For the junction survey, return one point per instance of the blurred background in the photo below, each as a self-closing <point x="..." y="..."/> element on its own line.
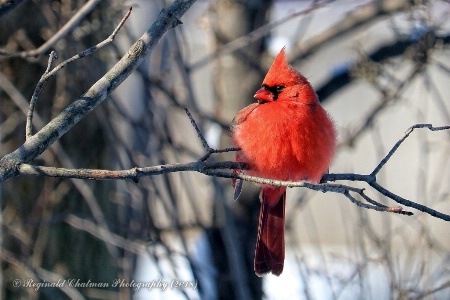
<point x="378" y="68"/>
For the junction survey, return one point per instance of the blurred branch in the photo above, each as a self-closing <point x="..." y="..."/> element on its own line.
<point x="106" y="235"/>
<point x="254" y="35"/>
<point x="58" y="151"/>
<point x="45" y="275"/>
<point x="387" y="98"/>
<point x="159" y="84"/>
<point x="7" y="5"/>
<point x="357" y="19"/>
<point x="414" y="50"/>
<point x="68" y="27"/>
<point x="382" y="53"/>
<point x="363" y="16"/>
<point x="38" y="143"/>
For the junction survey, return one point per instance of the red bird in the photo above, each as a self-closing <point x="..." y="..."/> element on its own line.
<point x="286" y="135"/>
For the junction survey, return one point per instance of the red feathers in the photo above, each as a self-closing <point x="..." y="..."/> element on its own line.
<point x="287" y="135"/>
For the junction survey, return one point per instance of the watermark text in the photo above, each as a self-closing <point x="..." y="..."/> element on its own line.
<point x="160" y="284"/>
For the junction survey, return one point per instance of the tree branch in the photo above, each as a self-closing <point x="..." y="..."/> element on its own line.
<point x="397" y="145"/>
<point x="48" y="74"/>
<point x="217" y="169"/>
<point x="133" y="174"/>
<point x="38" y="143"/>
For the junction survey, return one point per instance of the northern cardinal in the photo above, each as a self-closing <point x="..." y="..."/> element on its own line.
<point x="286" y="135"/>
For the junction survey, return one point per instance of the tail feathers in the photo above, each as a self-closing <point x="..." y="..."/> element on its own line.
<point x="270" y="250"/>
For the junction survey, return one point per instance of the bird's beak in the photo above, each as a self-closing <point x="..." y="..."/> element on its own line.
<point x="264" y="95"/>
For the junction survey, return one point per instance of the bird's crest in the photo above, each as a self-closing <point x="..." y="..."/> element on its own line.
<point x="282" y="73"/>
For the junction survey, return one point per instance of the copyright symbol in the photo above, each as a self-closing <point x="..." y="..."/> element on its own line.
<point x="17" y="283"/>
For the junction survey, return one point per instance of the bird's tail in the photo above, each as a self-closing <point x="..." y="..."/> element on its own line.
<point x="269" y="254"/>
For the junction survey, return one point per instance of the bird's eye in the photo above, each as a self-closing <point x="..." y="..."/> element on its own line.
<point x="279" y="88"/>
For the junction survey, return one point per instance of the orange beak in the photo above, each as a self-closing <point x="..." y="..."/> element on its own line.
<point x="264" y="95"/>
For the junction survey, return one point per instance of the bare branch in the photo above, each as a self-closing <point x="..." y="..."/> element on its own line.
<point x="48" y="74"/>
<point x="216" y="169"/>
<point x="205" y="145"/>
<point x="407" y="133"/>
<point x="211" y="169"/>
<point x="131" y="174"/>
<point x="36" y="93"/>
<point x="68" y="27"/>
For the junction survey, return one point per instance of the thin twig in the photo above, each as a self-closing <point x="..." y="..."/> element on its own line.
<point x="388" y="97"/>
<point x="208" y="149"/>
<point x="36" y="93"/>
<point x="48" y="74"/>
<point x="197" y="129"/>
<point x="409" y="203"/>
<point x="407" y="133"/>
